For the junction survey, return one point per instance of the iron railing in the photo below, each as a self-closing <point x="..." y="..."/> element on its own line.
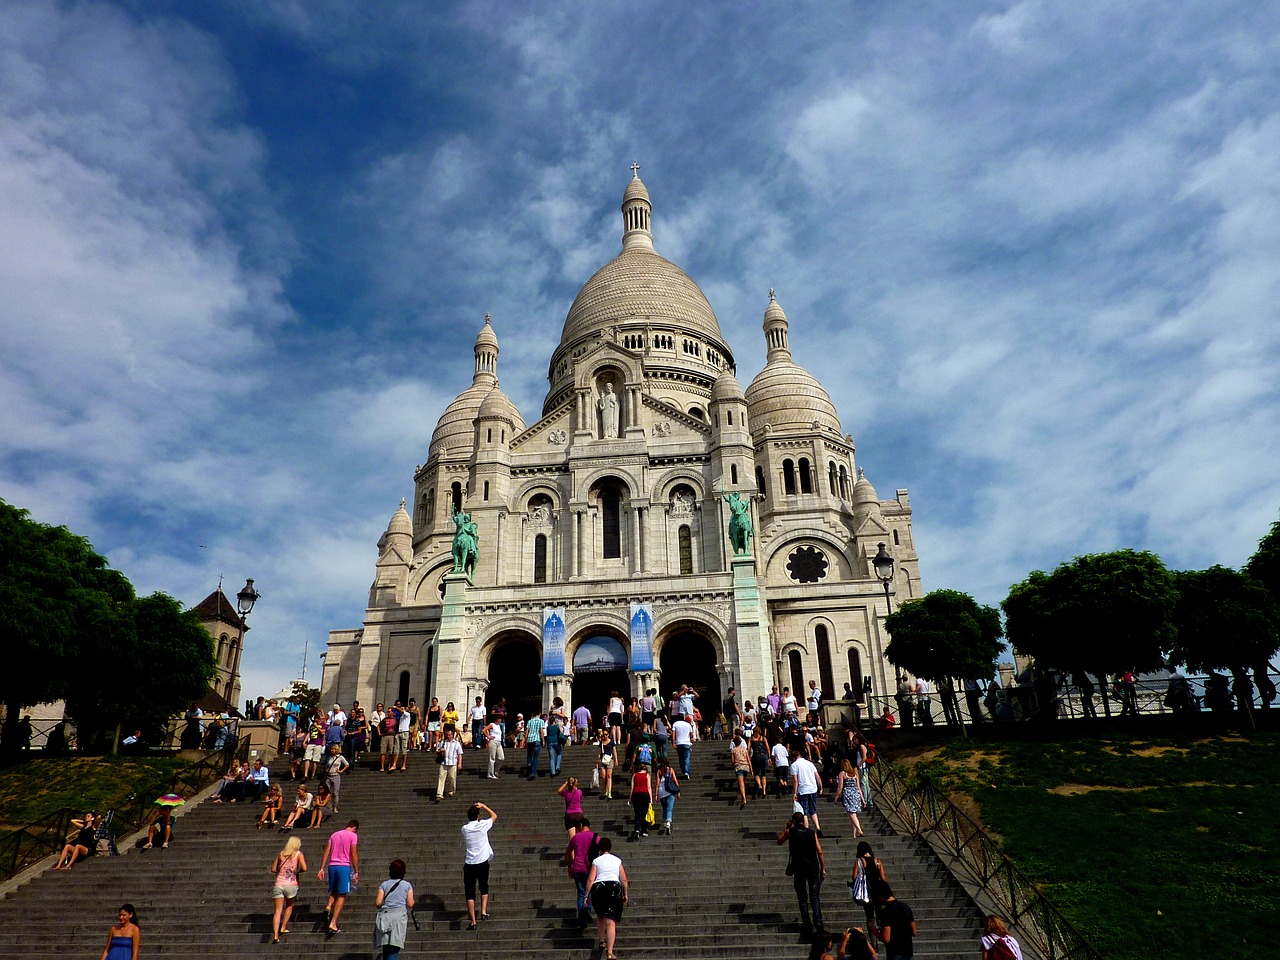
<point x="33" y="842"/>
<point x="925" y="812"/>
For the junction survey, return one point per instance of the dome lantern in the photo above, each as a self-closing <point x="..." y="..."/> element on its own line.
<point x="637" y="212"/>
<point x="776" y="331"/>
<point x="486" y="351"/>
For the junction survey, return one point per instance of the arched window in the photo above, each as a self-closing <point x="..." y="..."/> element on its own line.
<point x="733" y="474"/>
<point x="486" y="489"/>
<point x="833" y="480"/>
<point x="540" y="558"/>
<point x="855" y="669"/>
<point x="729" y="415"/>
<point x="826" y="677"/>
<point x="895" y="539"/>
<point x="760" y="480"/>
<point x="844" y="483"/>
<point x="404" y="687"/>
<point x="788" y="477"/>
<point x="697" y="412"/>
<point x="222" y="647"/>
<point x="806" y="476"/>
<point x="488" y="435"/>
<point x="455" y="495"/>
<point x="611" y="522"/>
<point x="797" y="674"/>
<point x="686" y="550"/>
<point x="431" y="505"/>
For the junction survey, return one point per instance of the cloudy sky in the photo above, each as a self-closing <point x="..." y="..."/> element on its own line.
<point x="1031" y="248"/>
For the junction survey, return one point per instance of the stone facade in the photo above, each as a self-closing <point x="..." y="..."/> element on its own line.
<point x="615" y="498"/>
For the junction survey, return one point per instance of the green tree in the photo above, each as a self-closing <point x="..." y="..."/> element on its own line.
<point x="1264" y="565"/>
<point x="945" y="633"/>
<point x="55" y="593"/>
<point x="1226" y="621"/>
<point x="1097" y="613"/>
<point x="159" y="659"/>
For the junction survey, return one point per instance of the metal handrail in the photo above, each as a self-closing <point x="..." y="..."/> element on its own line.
<point x="924" y="811"/>
<point x="34" y="841"/>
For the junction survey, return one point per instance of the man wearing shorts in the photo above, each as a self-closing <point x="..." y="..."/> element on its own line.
<point x="782" y="764"/>
<point x="389" y="736"/>
<point x="402" y="740"/>
<point x="582" y="723"/>
<point x="806" y="787"/>
<point x="475" y="866"/>
<point x="342" y="860"/>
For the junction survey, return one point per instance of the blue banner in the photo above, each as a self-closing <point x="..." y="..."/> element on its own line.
<point x="553" y="641"/>
<point x="642" y="636"/>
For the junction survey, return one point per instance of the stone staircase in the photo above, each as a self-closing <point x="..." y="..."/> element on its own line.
<point x="715" y="888"/>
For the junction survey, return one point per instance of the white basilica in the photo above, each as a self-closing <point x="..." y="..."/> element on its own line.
<point x="604" y="554"/>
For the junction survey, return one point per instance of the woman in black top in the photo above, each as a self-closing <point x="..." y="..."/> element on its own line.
<point x="83" y="845"/>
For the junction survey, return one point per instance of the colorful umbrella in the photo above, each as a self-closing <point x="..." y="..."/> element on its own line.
<point x="170" y="800"/>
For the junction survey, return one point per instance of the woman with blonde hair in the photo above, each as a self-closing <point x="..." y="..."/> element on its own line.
<point x="288" y="866"/>
<point x="997" y="944"/>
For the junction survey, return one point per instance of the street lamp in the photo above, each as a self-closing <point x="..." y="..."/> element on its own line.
<point x="883" y="564"/>
<point x="247" y="597"/>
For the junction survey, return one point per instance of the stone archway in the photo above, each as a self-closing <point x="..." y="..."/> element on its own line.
<point x="515" y="670"/>
<point x="688" y="657"/>
<point x="600" y="665"/>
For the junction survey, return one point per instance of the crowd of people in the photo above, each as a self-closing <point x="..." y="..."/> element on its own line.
<point x="643" y="751"/>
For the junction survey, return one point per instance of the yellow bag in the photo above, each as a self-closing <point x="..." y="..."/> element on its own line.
<point x="649" y="818"/>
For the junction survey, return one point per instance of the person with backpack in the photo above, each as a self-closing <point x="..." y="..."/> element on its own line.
<point x="897" y="927"/>
<point x="997" y="944"/>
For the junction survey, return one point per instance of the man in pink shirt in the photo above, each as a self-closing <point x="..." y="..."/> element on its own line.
<point x="343" y="862"/>
<point x="577" y="856"/>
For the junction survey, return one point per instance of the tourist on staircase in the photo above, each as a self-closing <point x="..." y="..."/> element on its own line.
<point x="641" y="798"/>
<point x="668" y="790"/>
<point x="496" y="753"/>
<point x="340" y="866"/>
<point x="807" y="869"/>
<point x="577" y="858"/>
<point x="572" y="795"/>
<point x="607" y="882"/>
<point x="849" y="793"/>
<point x="449" y="756"/>
<point x="606" y="760"/>
<point x="475" y="866"/>
<point x="393" y="902"/>
<point x="533" y="731"/>
<point x="287" y="867"/>
<point x="124" y="937"/>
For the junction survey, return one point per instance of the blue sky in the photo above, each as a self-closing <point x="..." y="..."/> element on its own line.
<point x="1032" y="249"/>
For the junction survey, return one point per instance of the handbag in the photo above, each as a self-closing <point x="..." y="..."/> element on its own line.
<point x="858" y="890"/>
<point x="595" y="778"/>
<point x="669" y="784"/>
<point x="649" y="818"/>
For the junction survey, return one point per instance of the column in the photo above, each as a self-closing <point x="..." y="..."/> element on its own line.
<point x="635" y="539"/>
<point x="577" y="543"/>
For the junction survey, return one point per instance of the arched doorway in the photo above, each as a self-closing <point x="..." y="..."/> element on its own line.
<point x="599" y="668"/>
<point x="515" y="671"/>
<point x="689" y="657"/>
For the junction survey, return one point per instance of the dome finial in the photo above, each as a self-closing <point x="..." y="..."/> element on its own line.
<point x="486" y="351"/>
<point x="775" y="331"/>
<point x="636" y="213"/>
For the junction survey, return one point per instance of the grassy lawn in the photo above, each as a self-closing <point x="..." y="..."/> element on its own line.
<point x="1154" y="848"/>
<point x="40" y="786"/>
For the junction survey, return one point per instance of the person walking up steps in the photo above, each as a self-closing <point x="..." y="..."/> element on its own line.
<point x="340" y="865"/>
<point x="479" y="852"/>
<point x="807" y="869"/>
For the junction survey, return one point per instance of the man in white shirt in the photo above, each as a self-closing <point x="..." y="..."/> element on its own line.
<point x="682" y="732"/>
<point x="451" y="747"/>
<point x="478" y="716"/>
<point x="782" y="764"/>
<point x="815" y="701"/>
<point x="338" y="715"/>
<point x="475" y="865"/>
<point x="403" y="724"/>
<point x="807" y="786"/>
<point x="924" y="701"/>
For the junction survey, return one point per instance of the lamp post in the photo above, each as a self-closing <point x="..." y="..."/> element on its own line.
<point x="883" y="564"/>
<point x="245" y="600"/>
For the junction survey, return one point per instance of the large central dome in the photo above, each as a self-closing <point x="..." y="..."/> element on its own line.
<point x="644" y="303"/>
<point x="639" y="285"/>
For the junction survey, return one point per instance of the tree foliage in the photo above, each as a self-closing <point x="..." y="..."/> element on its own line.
<point x="945" y="633"/>
<point x="1098" y="613"/>
<point x="55" y="592"/>
<point x="1264" y="565"/>
<point x="1226" y="620"/>
<point x="75" y="630"/>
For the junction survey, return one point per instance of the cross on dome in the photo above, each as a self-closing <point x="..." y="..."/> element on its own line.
<point x="635" y="170"/>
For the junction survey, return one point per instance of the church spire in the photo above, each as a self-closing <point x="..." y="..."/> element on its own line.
<point x="636" y="213"/>
<point x="486" y="354"/>
<point x="775" y="331"/>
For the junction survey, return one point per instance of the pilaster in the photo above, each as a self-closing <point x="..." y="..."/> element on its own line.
<point x="755" y="655"/>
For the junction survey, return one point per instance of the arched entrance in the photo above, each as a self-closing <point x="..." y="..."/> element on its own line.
<point x="689" y="657"/>
<point x="515" y="669"/>
<point x="599" y="668"/>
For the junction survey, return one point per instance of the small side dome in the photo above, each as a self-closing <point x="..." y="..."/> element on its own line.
<point x="785" y="396"/>
<point x="863" y="492"/>
<point x="727" y="387"/>
<point x="400" y="522"/>
<point x="498" y="406"/>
